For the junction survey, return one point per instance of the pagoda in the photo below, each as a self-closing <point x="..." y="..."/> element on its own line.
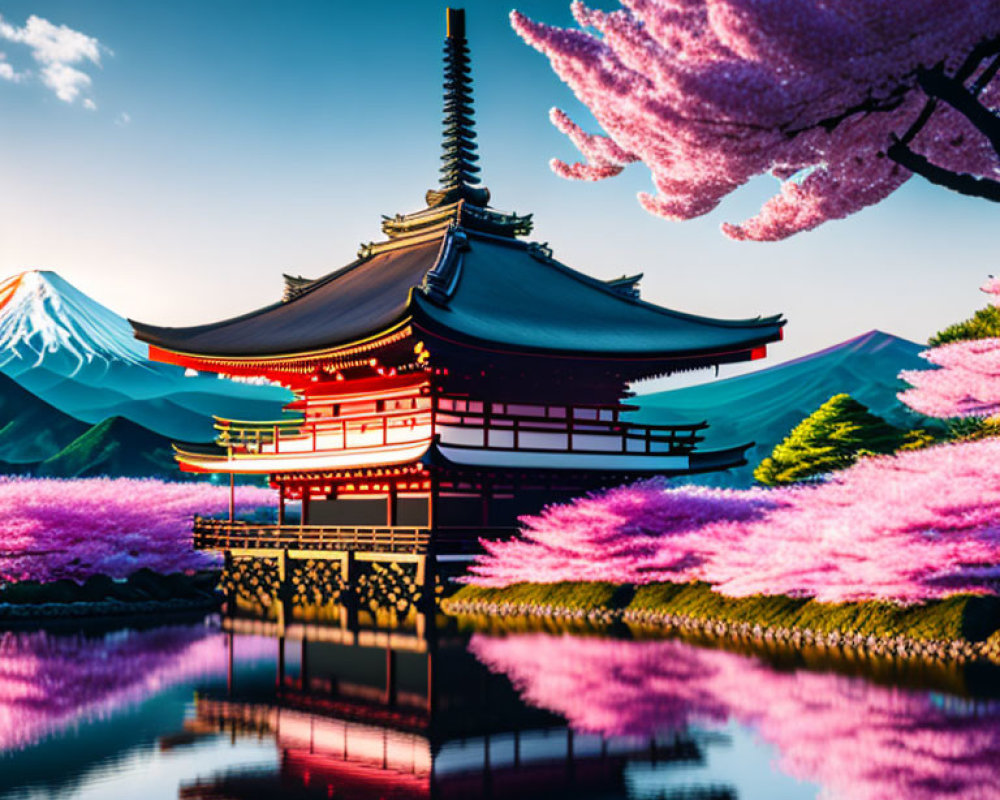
<point x="451" y="378"/>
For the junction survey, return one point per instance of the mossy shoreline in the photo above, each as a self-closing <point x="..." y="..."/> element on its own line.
<point x="959" y="627"/>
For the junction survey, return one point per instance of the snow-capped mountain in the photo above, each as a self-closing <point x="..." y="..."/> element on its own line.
<point x="44" y="319"/>
<point x="81" y="357"/>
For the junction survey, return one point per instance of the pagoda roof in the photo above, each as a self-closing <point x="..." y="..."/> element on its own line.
<point x="474" y="287"/>
<point x="366" y="296"/>
<point x="515" y="294"/>
<point x="458" y="270"/>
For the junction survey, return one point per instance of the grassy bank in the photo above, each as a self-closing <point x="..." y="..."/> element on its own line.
<point x="949" y="624"/>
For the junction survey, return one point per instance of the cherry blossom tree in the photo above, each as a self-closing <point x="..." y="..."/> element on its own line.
<point x="907" y="527"/>
<point x="842" y="102"/>
<point x="967" y="382"/>
<point x="73" y="529"/>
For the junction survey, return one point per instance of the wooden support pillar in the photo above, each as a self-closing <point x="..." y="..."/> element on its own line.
<point x="279" y="678"/>
<point x="425" y="582"/>
<point x="392" y="506"/>
<point x="281" y="504"/>
<point x="430" y="682"/>
<point x="232" y="496"/>
<point x="305" y="507"/>
<point x="432" y="501"/>
<point x="390" y="676"/>
<point x="284" y="598"/>
<point x="304" y="665"/>
<point x="487" y="768"/>
<point x="230" y="596"/>
<point x="349" y="600"/>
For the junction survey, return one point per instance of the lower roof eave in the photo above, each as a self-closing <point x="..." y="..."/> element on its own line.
<point x="272" y="463"/>
<point x="625" y="464"/>
<point x="717" y="460"/>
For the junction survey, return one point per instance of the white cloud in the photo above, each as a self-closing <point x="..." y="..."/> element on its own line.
<point x="123" y="119"/>
<point x="64" y="80"/>
<point x="56" y="48"/>
<point x="7" y="72"/>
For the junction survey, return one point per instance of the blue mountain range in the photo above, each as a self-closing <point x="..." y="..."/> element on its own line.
<point x="764" y="406"/>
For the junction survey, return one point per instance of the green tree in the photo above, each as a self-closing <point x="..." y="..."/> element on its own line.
<point x="831" y="438"/>
<point x="984" y="324"/>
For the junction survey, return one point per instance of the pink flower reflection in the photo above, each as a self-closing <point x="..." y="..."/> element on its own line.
<point x="49" y="682"/>
<point x="859" y="740"/>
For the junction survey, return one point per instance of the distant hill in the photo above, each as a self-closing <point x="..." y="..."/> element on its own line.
<point x="81" y="358"/>
<point x="37" y="439"/>
<point x="117" y="447"/>
<point x="30" y="429"/>
<point x="764" y="406"/>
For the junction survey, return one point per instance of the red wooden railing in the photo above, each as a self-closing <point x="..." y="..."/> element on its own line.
<point x="217" y="534"/>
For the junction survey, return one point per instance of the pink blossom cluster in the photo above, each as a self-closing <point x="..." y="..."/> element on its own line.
<point x="917" y="525"/>
<point x="55" y="529"/>
<point x="711" y="93"/>
<point x="859" y="740"/>
<point x="967" y="385"/>
<point x="968" y="381"/>
<point x="49" y="682"/>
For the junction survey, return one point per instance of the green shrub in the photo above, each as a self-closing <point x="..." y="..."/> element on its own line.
<point x="831" y="438"/>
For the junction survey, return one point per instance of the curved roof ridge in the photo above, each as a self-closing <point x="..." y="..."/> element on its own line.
<point x="541" y="252"/>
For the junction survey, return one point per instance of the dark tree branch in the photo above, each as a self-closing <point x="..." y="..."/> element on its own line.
<point x="938" y="85"/>
<point x="951" y="90"/>
<point x="956" y="181"/>
<point x="869" y="105"/>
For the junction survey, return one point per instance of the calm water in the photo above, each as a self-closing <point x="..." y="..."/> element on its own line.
<point x="188" y="710"/>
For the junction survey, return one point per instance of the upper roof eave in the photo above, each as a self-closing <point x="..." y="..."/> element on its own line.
<point x="348" y="307"/>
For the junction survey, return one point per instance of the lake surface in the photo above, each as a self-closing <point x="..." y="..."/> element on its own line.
<point x="191" y="710"/>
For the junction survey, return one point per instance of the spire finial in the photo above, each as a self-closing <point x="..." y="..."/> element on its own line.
<point x="459" y="171"/>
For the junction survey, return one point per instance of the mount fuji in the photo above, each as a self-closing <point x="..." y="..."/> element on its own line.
<point x="80" y="357"/>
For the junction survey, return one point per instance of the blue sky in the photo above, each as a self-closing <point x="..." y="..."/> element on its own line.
<point x="233" y="141"/>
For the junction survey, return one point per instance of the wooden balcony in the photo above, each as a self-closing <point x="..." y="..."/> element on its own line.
<point x="222" y="535"/>
<point x="349" y="432"/>
<point x="568" y="433"/>
<point x="558" y="429"/>
<point x="215" y="534"/>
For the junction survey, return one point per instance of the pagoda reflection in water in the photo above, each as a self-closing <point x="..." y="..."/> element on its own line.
<point x="397" y="714"/>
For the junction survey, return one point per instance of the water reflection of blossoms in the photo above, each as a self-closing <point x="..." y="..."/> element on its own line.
<point x="49" y="681"/>
<point x="859" y="740"/>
